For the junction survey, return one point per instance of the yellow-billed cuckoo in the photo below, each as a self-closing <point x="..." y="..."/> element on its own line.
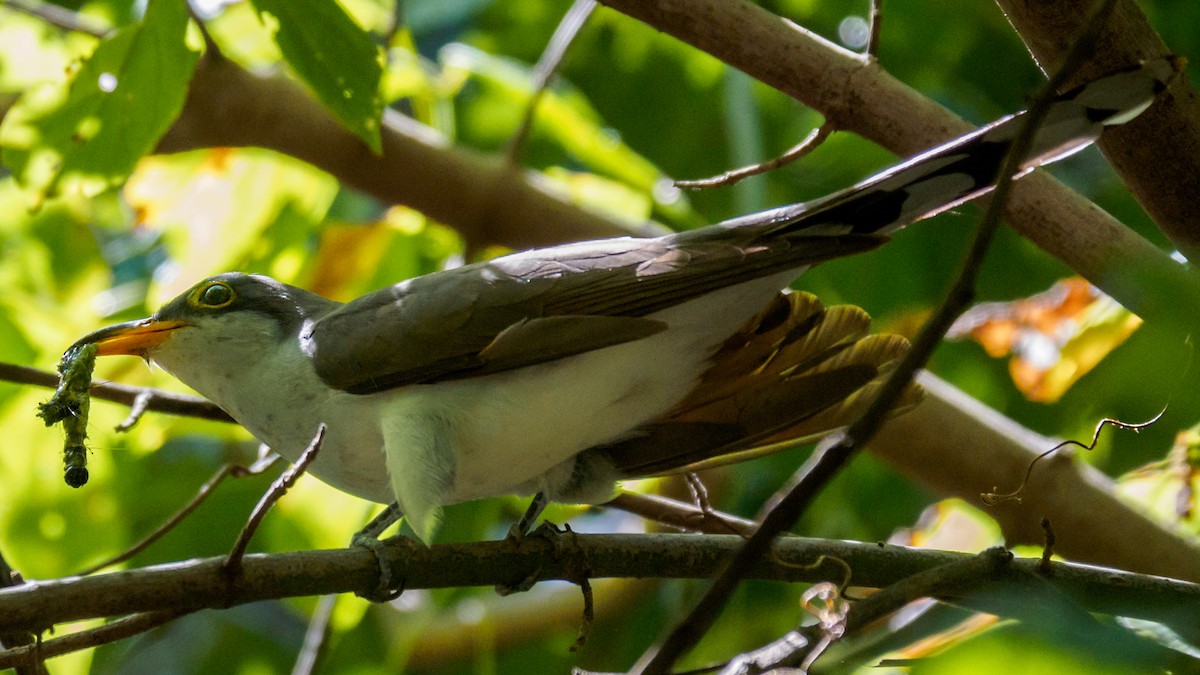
<point x="562" y="370"/>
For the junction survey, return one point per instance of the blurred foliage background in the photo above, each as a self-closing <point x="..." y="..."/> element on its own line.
<point x="630" y="109"/>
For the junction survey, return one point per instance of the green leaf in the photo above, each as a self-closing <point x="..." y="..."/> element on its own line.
<point x="335" y="58"/>
<point x="85" y="134"/>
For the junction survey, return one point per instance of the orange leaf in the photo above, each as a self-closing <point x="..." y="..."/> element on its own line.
<point x="1054" y="337"/>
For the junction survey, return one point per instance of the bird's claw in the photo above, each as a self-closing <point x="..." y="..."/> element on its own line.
<point x="548" y="531"/>
<point x="386" y="590"/>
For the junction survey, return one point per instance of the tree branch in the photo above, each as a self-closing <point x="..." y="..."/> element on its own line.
<point x="686" y="517"/>
<point x="552" y="57"/>
<point x="155" y="399"/>
<point x="120" y="629"/>
<point x="200" y="584"/>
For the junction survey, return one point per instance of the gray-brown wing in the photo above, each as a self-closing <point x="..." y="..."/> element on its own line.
<point x="543" y="305"/>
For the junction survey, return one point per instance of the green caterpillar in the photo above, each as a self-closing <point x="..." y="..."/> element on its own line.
<point x="70" y="405"/>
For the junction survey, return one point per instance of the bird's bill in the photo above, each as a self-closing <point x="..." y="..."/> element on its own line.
<point x="134" y="338"/>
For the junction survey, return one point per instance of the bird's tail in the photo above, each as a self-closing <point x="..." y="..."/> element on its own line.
<point x="968" y="166"/>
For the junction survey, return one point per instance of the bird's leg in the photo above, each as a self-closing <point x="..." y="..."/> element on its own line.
<point x="524" y="526"/>
<point x="379" y="523"/>
<point x="368" y="538"/>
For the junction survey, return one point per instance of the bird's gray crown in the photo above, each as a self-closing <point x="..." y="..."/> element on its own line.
<point x="231" y="292"/>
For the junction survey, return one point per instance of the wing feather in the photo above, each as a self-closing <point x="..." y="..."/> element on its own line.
<point x="491" y="317"/>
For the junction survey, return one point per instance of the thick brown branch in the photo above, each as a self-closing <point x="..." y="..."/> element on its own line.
<point x="683" y="516"/>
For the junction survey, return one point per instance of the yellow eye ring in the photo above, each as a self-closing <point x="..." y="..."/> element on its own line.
<point x="212" y="295"/>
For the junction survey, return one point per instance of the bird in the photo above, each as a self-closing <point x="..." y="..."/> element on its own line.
<point x="560" y="371"/>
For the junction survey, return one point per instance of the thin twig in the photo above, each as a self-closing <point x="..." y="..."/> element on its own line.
<point x="875" y="19"/>
<point x="811" y="142"/>
<point x="140" y="403"/>
<point x="206" y="490"/>
<point x="680" y="515"/>
<point x="835" y="451"/>
<point x="315" y="637"/>
<point x="1048" y="548"/>
<point x="589" y="613"/>
<point x="824" y="601"/>
<point x="814" y="140"/>
<point x="767" y="658"/>
<point x="546" y="66"/>
<point x="160" y="401"/>
<point x="233" y="562"/>
<point x="112" y="631"/>
<point x="59" y="17"/>
<point x="992" y="498"/>
<point x="211" y="48"/>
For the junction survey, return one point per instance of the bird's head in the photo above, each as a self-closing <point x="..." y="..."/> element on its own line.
<point x="231" y="320"/>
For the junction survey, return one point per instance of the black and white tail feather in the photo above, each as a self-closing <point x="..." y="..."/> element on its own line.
<point x="948" y="175"/>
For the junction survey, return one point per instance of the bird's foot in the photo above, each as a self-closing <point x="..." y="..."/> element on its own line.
<point x="548" y="531"/>
<point x="387" y="589"/>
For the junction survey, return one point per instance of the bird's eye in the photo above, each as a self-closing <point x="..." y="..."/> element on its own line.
<point x="214" y="295"/>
